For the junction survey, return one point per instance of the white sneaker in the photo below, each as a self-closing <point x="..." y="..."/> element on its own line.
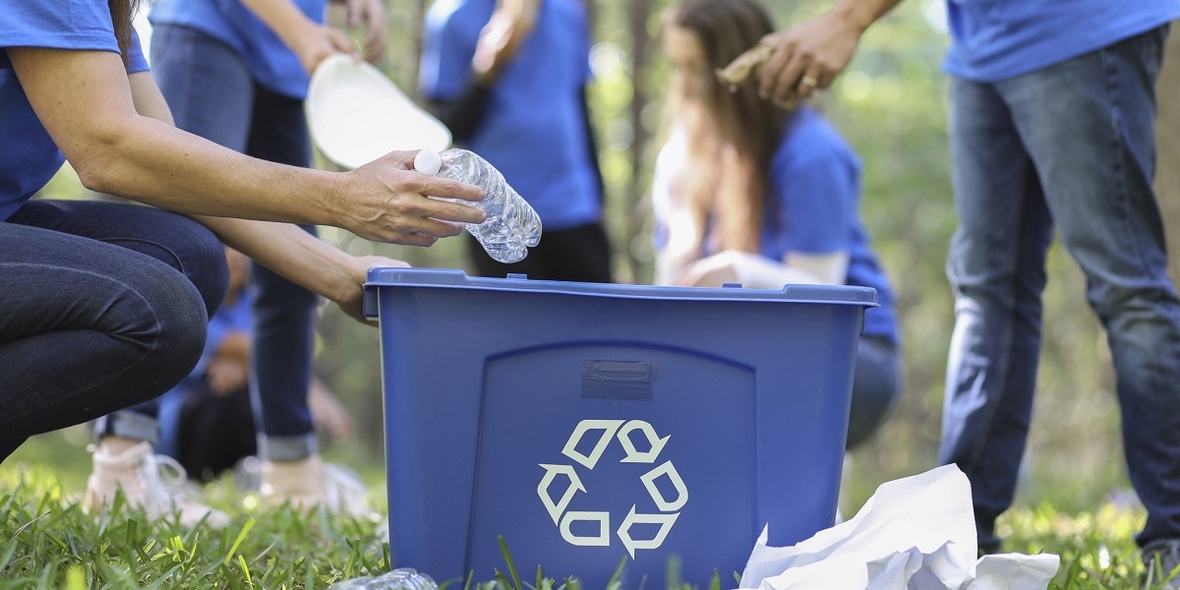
<point x="309" y="483"/>
<point x="152" y="482"/>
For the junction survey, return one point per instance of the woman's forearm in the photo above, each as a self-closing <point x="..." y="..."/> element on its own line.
<point x="291" y="252"/>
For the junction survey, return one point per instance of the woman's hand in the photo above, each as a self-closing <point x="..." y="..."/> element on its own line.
<point x="351" y="297"/>
<point x="808" y="57"/>
<point x="502" y="36"/>
<point x="372" y="14"/>
<point x="387" y="201"/>
<point x="711" y="271"/>
<point x="319" y="42"/>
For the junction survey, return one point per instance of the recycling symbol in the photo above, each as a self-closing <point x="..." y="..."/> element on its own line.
<point x="608" y="430"/>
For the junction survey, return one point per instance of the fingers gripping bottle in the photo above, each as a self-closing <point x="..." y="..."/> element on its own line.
<point x="512" y="225"/>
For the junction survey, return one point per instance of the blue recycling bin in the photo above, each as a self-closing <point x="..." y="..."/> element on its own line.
<point x="590" y="424"/>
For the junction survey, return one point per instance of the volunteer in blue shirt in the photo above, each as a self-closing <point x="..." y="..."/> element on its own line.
<point x="104" y="304"/>
<point x="509" y="77"/>
<point x="745" y="191"/>
<point x="1052" y="115"/>
<point x="236" y="72"/>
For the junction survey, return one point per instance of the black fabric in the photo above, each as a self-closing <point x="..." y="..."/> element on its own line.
<point x="580" y="254"/>
<point x="465" y="114"/>
<point x="215" y="431"/>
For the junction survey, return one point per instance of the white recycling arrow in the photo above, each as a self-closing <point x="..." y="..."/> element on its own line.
<point x="556" y="508"/>
<point x="653" y="439"/>
<point x="603" y="520"/>
<point x="664" y="520"/>
<point x="608" y="428"/>
<point x="649" y="482"/>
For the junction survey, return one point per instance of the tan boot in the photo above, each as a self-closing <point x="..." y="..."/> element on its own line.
<point x="309" y="483"/>
<point x="146" y="482"/>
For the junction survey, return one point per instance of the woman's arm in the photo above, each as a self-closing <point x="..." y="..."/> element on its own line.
<point x="310" y="41"/>
<point x="759" y="272"/>
<point x="84" y="100"/>
<point x="284" y="248"/>
<point x="810" y="55"/>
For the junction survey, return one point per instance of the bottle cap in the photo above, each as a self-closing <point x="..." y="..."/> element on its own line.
<point x="428" y="162"/>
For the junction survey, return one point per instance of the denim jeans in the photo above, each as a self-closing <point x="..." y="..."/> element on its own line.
<point x="1071" y="146"/>
<point x="212" y="94"/>
<point x="102" y="305"/>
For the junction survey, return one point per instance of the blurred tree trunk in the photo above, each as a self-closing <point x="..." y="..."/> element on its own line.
<point x="640" y="48"/>
<point x="1167" y="171"/>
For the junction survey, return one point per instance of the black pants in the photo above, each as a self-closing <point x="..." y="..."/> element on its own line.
<point x="215" y="431"/>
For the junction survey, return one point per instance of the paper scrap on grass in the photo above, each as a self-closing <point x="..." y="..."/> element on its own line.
<point x="915" y="533"/>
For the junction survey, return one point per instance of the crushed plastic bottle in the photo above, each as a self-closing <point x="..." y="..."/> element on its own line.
<point x="512" y="225"/>
<point x="403" y="578"/>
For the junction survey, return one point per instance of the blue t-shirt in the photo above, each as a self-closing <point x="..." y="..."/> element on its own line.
<point x="28" y="156"/>
<point x="271" y="63"/>
<point x="814" y="209"/>
<point x="534" y="129"/>
<point x="992" y="40"/>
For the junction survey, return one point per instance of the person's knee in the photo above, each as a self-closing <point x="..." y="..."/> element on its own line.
<point x="174" y="328"/>
<point x="204" y="265"/>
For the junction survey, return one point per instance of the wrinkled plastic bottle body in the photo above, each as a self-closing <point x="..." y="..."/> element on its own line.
<point x="512" y="225"/>
<point x="399" y="579"/>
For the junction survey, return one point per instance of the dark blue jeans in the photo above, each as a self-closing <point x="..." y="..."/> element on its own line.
<point x="1071" y="146"/>
<point x="102" y="305"/>
<point x="212" y="94"/>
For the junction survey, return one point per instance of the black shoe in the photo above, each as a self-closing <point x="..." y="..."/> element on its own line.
<point x="1162" y="560"/>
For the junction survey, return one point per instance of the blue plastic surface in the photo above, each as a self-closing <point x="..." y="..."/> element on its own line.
<point x="591" y="423"/>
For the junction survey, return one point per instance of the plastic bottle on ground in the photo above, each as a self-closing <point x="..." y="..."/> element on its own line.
<point x="512" y="225"/>
<point x="399" y="579"/>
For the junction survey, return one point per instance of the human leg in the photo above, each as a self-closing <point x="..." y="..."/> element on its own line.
<point x="876" y="385"/>
<point x="284" y="313"/>
<point x="192" y="72"/>
<point x="996" y="267"/>
<point x="284" y="338"/>
<point x="1089" y="124"/>
<point x="120" y="295"/>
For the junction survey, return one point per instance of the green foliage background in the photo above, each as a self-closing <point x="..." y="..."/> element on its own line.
<point x="891" y="106"/>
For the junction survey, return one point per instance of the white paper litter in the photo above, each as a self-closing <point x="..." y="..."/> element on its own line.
<point x="355" y="114"/>
<point x="915" y="533"/>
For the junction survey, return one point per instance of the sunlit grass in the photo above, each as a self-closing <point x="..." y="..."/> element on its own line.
<point x="47" y="541"/>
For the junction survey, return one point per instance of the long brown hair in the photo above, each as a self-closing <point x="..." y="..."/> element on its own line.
<point x="122" y="11"/>
<point x="732" y="133"/>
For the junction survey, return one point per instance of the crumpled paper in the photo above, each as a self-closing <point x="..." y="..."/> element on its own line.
<point x="915" y="533"/>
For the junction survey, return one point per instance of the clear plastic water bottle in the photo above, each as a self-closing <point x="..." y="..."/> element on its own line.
<point x="399" y="579"/>
<point x="512" y="225"/>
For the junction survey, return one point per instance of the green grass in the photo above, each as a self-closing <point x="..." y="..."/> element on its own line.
<point x="47" y="541"/>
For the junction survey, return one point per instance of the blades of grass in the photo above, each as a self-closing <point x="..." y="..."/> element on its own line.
<point x="737" y="579"/>
<point x="6" y="557"/>
<point x="715" y="581"/>
<point x="540" y="576"/>
<point x="672" y="573"/>
<point x="76" y="578"/>
<point x="309" y="579"/>
<point x="502" y="581"/>
<point x="237" y="542"/>
<point x="47" y="574"/>
<point x="616" y="579"/>
<point x="511" y="564"/>
<point x="245" y="570"/>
